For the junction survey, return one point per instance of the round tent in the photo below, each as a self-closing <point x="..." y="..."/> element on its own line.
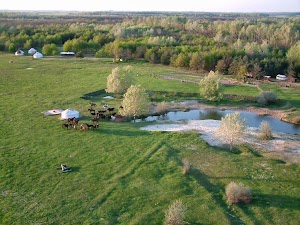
<point x="31" y="51"/>
<point x="69" y="113"/>
<point x="38" y="55"/>
<point x="19" y="52"/>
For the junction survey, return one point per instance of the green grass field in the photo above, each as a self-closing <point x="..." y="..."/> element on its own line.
<point x="121" y="174"/>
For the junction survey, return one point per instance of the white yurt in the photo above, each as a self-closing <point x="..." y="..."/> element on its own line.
<point x="31" y="51"/>
<point x="19" y="52"/>
<point x="38" y="55"/>
<point x="69" y="113"/>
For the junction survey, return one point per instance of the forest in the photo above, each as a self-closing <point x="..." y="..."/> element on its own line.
<point x="243" y="45"/>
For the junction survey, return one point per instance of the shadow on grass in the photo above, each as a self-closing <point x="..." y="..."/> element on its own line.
<point x="216" y="192"/>
<point x="278" y="201"/>
<point x="173" y="95"/>
<point x="122" y="132"/>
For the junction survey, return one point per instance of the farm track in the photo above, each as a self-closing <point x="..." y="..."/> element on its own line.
<point x="114" y="181"/>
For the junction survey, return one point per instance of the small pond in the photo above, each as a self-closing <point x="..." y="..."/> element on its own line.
<point x="252" y="119"/>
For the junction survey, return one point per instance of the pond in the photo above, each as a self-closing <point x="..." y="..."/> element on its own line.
<point x="252" y="119"/>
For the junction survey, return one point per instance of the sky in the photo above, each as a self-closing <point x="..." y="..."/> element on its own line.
<point x="155" y="5"/>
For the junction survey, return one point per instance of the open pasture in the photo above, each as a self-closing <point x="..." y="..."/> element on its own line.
<point x="120" y="174"/>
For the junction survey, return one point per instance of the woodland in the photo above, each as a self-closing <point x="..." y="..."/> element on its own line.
<point x="232" y="43"/>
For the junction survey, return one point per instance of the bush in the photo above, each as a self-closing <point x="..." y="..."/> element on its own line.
<point x="175" y="213"/>
<point x="265" y="131"/>
<point x="266" y="98"/>
<point x="237" y="192"/>
<point x="186" y="166"/>
<point x="162" y="107"/>
<point x="79" y="55"/>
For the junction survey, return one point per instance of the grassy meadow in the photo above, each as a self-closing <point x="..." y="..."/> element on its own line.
<point x="121" y="174"/>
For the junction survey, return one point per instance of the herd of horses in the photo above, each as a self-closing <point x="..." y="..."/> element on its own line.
<point x="106" y="113"/>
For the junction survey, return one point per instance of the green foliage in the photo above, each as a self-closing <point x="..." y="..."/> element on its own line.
<point x="119" y="80"/>
<point x="231" y="129"/>
<point x="146" y="176"/>
<point x="50" y="49"/>
<point x="211" y="87"/>
<point x="12" y="47"/>
<point x="238" y="192"/>
<point x="136" y="102"/>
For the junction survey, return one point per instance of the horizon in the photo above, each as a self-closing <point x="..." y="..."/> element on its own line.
<point x="218" y="6"/>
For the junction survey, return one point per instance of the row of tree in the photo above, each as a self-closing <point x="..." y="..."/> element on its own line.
<point x="268" y="44"/>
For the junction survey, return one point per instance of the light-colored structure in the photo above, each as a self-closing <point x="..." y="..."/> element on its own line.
<point x="32" y="51"/>
<point x="281" y="77"/>
<point x="38" y="55"/>
<point x="19" y="52"/>
<point x="69" y="114"/>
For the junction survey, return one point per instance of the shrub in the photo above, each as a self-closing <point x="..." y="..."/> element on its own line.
<point x="79" y="54"/>
<point x="162" y="107"/>
<point x="265" y="131"/>
<point x="266" y="98"/>
<point x="237" y="192"/>
<point x="175" y="213"/>
<point x="186" y="166"/>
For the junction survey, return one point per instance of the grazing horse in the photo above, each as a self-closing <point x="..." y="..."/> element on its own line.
<point x="92" y="111"/>
<point x="65" y="125"/>
<point x="73" y="122"/>
<point x="92" y="126"/>
<point x="118" y="118"/>
<point x="110" y="109"/>
<point x="92" y="104"/>
<point x="83" y="127"/>
<point x="96" y="118"/>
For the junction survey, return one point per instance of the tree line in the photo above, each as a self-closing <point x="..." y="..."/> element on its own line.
<point x="253" y="45"/>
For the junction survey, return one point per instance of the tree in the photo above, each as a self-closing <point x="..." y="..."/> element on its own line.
<point x="68" y="46"/>
<point x="293" y="57"/>
<point x="50" y="49"/>
<point x="196" y="61"/>
<point x="119" y="80"/>
<point x="211" y="87"/>
<point x="231" y="129"/>
<point x="11" y="47"/>
<point x="135" y="103"/>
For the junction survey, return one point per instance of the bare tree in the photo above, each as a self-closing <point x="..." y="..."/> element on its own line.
<point x="232" y="129"/>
